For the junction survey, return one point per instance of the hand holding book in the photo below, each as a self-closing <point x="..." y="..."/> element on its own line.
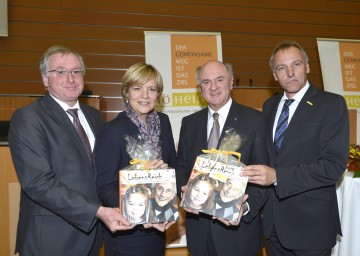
<point x="147" y="187"/>
<point x="243" y="209"/>
<point x="215" y="186"/>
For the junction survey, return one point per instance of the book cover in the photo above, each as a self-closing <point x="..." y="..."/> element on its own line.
<point x="148" y="196"/>
<point x="215" y="187"/>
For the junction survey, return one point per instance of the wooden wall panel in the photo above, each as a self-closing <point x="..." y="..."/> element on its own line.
<point x="110" y="35"/>
<point x="10" y="103"/>
<point x="289" y="22"/>
<point x="7" y="176"/>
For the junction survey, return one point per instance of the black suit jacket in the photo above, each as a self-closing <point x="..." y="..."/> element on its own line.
<point x="58" y="197"/>
<point x="245" y="239"/>
<point x="303" y="206"/>
<point x="110" y="157"/>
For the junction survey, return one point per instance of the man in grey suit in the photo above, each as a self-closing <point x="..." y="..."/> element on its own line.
<point x="205" y="235"/>
<point x="301" y="215"/>
<point x="59" y="206"/>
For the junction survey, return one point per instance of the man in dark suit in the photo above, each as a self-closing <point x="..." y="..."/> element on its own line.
<point x="301" y="216"/>
<point x="59" y="206"/>
<point x="205" y="235"/>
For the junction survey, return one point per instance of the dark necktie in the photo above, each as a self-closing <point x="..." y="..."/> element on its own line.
<point x="282" y="124"/>
<point x="85" y="140"/>
<point x="215" y="132"/>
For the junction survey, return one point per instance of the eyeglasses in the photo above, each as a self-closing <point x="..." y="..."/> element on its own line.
<point x="64" y="73"/>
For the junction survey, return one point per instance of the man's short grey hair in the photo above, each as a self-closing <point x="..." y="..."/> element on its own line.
<point x="228" y="66"/>
<point x="286" y="45"/>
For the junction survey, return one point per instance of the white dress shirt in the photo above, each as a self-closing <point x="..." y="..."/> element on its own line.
<point x="82" y="119"/>
<point x="223" y="113"/>
<point x="297" y="98"/>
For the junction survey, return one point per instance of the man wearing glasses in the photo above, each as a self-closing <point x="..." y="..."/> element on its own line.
<point x="51" y="142"/>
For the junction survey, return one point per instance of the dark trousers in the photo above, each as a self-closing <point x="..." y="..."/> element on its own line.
<point x="210" y="249"/>
<point x="275" y="248"/>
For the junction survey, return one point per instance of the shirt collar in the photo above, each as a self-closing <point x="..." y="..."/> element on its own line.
<point x="299" y="95"/>
<point x="65" y="106"/>
<point x="223" y="111"/>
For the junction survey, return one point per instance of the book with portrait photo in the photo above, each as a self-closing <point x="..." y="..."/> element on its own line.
<point x="215" y="187"/>
<point x="148" y="196"/>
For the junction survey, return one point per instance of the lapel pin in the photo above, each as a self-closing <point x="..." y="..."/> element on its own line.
<point x="308" y="102"/>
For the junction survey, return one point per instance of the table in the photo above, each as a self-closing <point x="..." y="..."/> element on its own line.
<point x="348" y="195"/>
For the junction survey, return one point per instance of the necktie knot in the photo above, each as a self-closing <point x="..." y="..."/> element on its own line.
<point x="216" y="116"/>
<point x="288" y="102"/>
<point x="73" y="112"/>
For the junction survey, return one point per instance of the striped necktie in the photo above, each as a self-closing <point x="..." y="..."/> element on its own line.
<point x="282" y="124"/>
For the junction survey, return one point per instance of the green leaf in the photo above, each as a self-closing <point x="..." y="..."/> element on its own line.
<point x="357" y="174"/>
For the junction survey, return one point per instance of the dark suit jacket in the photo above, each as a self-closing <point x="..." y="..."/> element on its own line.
<point x="246" y="239"/>
<point x="110" y="157"/>
<point x="303" y="206"/>
<point x="58" y="197"/>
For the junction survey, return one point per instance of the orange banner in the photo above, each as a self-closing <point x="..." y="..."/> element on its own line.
<point x="350" y="66"/>
<point x="188" y="52"/>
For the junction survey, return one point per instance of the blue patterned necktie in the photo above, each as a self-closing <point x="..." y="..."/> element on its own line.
<point x="282" y="124"/>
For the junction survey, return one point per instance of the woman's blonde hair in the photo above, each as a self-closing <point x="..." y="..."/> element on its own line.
<point x="139" y="74"/>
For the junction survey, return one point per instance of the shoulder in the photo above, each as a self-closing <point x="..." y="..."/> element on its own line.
<point x="271" y="103"/>
<point x="195" y="116"/>
<point x="242" y="108"/>
<point x="330" y="96"/>
<point x="324" y="99"/>
<point x="89" y="109"/>
<point x="119" y="122"/>
<point x="113" y="132"/>
<point x="31" y="111"/>
<point x="163" y="117"/>
<point x="243" y="112"/>
<point x="164" y="120"/>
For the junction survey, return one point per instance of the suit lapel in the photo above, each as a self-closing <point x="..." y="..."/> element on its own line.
<point x="55" y="112"/>
<point x="297" y="118"/>
<point x="202" y="132"/>
<point x="273" y="110"/>
<point x="233" y="121"/>
<point x="89" y="118"/>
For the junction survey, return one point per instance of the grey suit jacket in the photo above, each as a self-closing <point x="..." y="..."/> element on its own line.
<point x="58" y="193"/>
<point x="303" y="206"/>
<point x="245" y="239"/>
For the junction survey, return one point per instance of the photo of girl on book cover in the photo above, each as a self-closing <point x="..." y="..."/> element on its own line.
<point x="149" y="202"/>
<point x="200" y="193"/>
<point x="211" y="196"/>
<point x="136" y="204"/>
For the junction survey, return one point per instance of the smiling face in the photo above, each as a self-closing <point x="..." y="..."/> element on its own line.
<point x="164" y="193"/>
<point x="65" y="88"/>
<point x="136" y="205"/>
<point x="290" y="70"/>
<point x="231" y="190"/>
<point x="143" y="98"/>
<point x="215" y="84"/>
<point x="200" y="193"/>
